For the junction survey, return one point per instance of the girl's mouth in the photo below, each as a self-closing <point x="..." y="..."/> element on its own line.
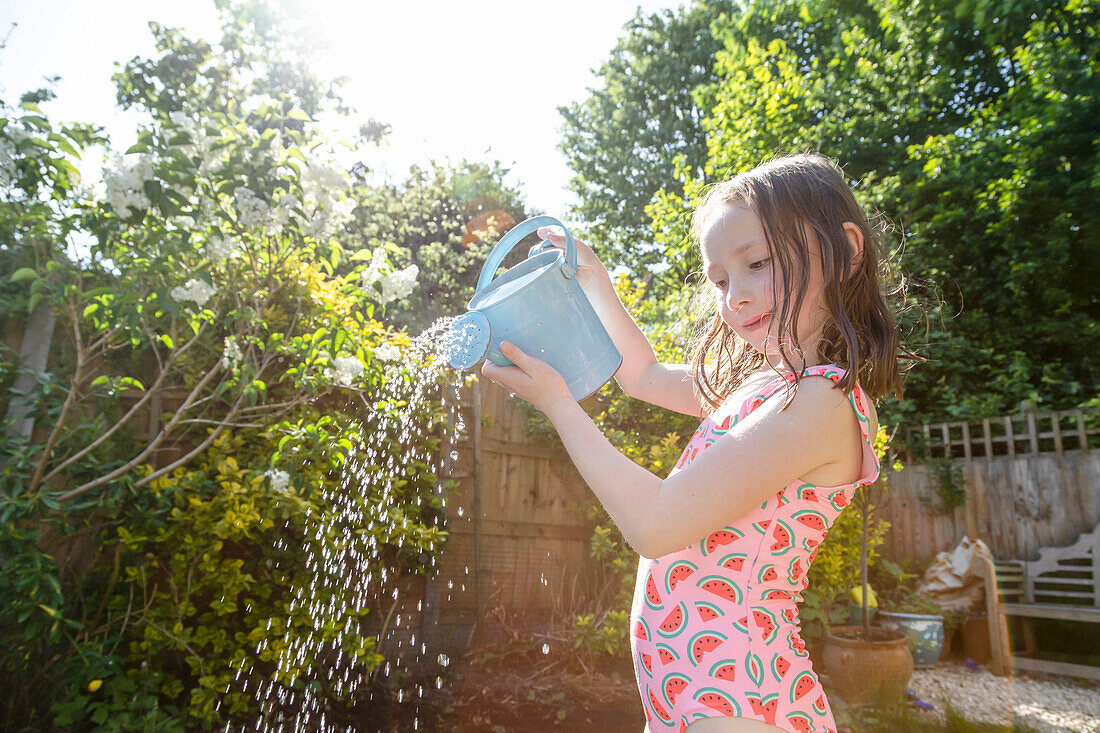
<point x="759" y="322"/>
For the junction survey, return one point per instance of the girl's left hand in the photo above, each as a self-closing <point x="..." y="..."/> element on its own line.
<point x="531" y="379"/>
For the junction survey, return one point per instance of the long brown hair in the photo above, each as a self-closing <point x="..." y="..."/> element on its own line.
<point x="790" y="195"/>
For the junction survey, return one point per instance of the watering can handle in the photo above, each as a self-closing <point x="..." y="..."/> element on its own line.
<point x="512" y="238"/>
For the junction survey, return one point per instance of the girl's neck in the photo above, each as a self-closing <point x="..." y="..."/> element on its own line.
<point x="774" y="364"/>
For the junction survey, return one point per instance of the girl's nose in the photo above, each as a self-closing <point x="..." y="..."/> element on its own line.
<point x="737" y="297"/>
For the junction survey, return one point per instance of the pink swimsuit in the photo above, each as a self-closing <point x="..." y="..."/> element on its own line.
<point x="714" y="628"/>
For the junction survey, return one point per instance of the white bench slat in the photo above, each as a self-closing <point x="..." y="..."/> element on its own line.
<point x="1061" y="611"/>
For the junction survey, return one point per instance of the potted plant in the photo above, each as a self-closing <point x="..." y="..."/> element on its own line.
<point x="902" y="606"/>
<point x="868" y="664"/>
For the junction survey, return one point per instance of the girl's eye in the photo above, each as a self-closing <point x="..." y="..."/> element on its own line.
<point x="760" y="264"/>
<point x="720" y="284"/>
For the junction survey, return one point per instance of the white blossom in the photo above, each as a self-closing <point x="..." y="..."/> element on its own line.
<point x="345" y="370"/>
<point x="126" y="185"/>
<point x="201" y="145"/>
<point x="320" y="180"/>
<point x="8" y="171"/>
<point x="280" y="480"/>
<point x="399" y="284"/>
<point x="387" y="352"/>
<point x="373" y="273"/>
<point x="194" y="290"/>
<point x="394" y="286"/>
<point x="280" y="214"/>
<point x="323" y="187"/>
<point x="231" y="353"/>
<point x="219" y="248"/>
<point x="251" y="209"/>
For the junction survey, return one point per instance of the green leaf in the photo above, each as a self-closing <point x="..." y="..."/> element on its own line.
<point x="131" y="382"/>
<point x="167" y="340"/>
<point x="23" y="273"/>
<point x="297" y="114"/>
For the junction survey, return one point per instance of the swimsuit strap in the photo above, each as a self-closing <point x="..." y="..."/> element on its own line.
<point x="857" y="397"/>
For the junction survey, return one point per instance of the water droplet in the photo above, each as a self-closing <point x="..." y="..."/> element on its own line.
<point x="444" y="660"/>
<point x="545" y="648"/>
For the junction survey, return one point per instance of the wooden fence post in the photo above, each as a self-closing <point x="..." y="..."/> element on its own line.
<point x="476" y="399"/>
<point x="34" y="352"/>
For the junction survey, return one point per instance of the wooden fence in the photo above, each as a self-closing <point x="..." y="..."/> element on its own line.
<point x="518" y="539"/>
<point x="1028" y="433"/>
<point x="1031" y="481"/>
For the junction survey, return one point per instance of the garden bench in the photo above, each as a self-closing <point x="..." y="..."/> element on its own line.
<point x="1063" y="584"/>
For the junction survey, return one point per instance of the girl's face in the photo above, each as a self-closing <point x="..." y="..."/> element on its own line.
<point x="738" y="267"/>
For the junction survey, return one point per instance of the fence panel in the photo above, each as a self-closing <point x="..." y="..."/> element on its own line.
<point x="1014" y="504"/>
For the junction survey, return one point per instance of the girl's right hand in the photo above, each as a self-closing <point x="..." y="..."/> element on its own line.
<point x="589" y="267"/>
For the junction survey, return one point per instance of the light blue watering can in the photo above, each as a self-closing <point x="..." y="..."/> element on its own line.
<point x="538" y="306"/>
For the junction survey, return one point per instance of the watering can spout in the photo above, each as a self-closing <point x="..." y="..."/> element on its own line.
<point x="539" y="306"/>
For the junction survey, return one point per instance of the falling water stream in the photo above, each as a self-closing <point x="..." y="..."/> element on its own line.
<point x="295" y="697"/>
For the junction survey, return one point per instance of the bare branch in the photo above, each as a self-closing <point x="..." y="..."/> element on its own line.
<point x="223" y="423"/>
<point x="152" y="445"/>
<point x="199" y="449"/>
<point x="132" y="411"/>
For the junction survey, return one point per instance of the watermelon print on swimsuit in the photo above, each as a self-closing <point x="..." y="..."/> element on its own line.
<point x="714" y="627"/>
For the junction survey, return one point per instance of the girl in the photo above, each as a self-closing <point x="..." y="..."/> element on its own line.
<point x="727" y="538"/>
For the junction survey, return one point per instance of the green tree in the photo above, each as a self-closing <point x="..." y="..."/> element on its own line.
<point x="939" y="116"/>
<point x="622" y="141"/>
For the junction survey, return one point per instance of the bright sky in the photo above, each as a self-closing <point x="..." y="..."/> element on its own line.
<point x="479" y="79"/>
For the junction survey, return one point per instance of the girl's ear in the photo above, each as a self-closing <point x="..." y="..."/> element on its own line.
<point x="855" y="240"/>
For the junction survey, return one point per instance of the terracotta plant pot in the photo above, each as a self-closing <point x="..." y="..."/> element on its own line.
<point x="868" y="672"/>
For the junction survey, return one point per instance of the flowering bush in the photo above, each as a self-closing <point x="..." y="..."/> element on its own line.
<point x="214" y="347"/>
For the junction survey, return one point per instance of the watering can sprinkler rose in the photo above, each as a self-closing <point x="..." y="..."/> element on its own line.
<point x="539" y="307"/>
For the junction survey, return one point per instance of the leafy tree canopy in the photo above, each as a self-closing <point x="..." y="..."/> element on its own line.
<point x="622" y="141"/>
<point x="972" y="128"/>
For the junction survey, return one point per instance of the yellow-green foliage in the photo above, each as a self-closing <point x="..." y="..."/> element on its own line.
<point x="212" y="579"/>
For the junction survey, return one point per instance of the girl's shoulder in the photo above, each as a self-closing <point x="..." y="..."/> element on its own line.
<point x="757" y="388"/>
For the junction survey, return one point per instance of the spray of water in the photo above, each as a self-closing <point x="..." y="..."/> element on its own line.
<point x="342" y="548"/>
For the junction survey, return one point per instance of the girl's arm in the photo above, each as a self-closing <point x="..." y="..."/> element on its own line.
<point x="641" y="376"/>
<point x="757" y="457"/>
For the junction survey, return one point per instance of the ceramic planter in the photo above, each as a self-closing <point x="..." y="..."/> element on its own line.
<point x="925" y="634"/>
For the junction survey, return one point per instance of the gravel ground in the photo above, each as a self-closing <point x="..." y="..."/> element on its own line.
<point x="1046" y="703"/>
